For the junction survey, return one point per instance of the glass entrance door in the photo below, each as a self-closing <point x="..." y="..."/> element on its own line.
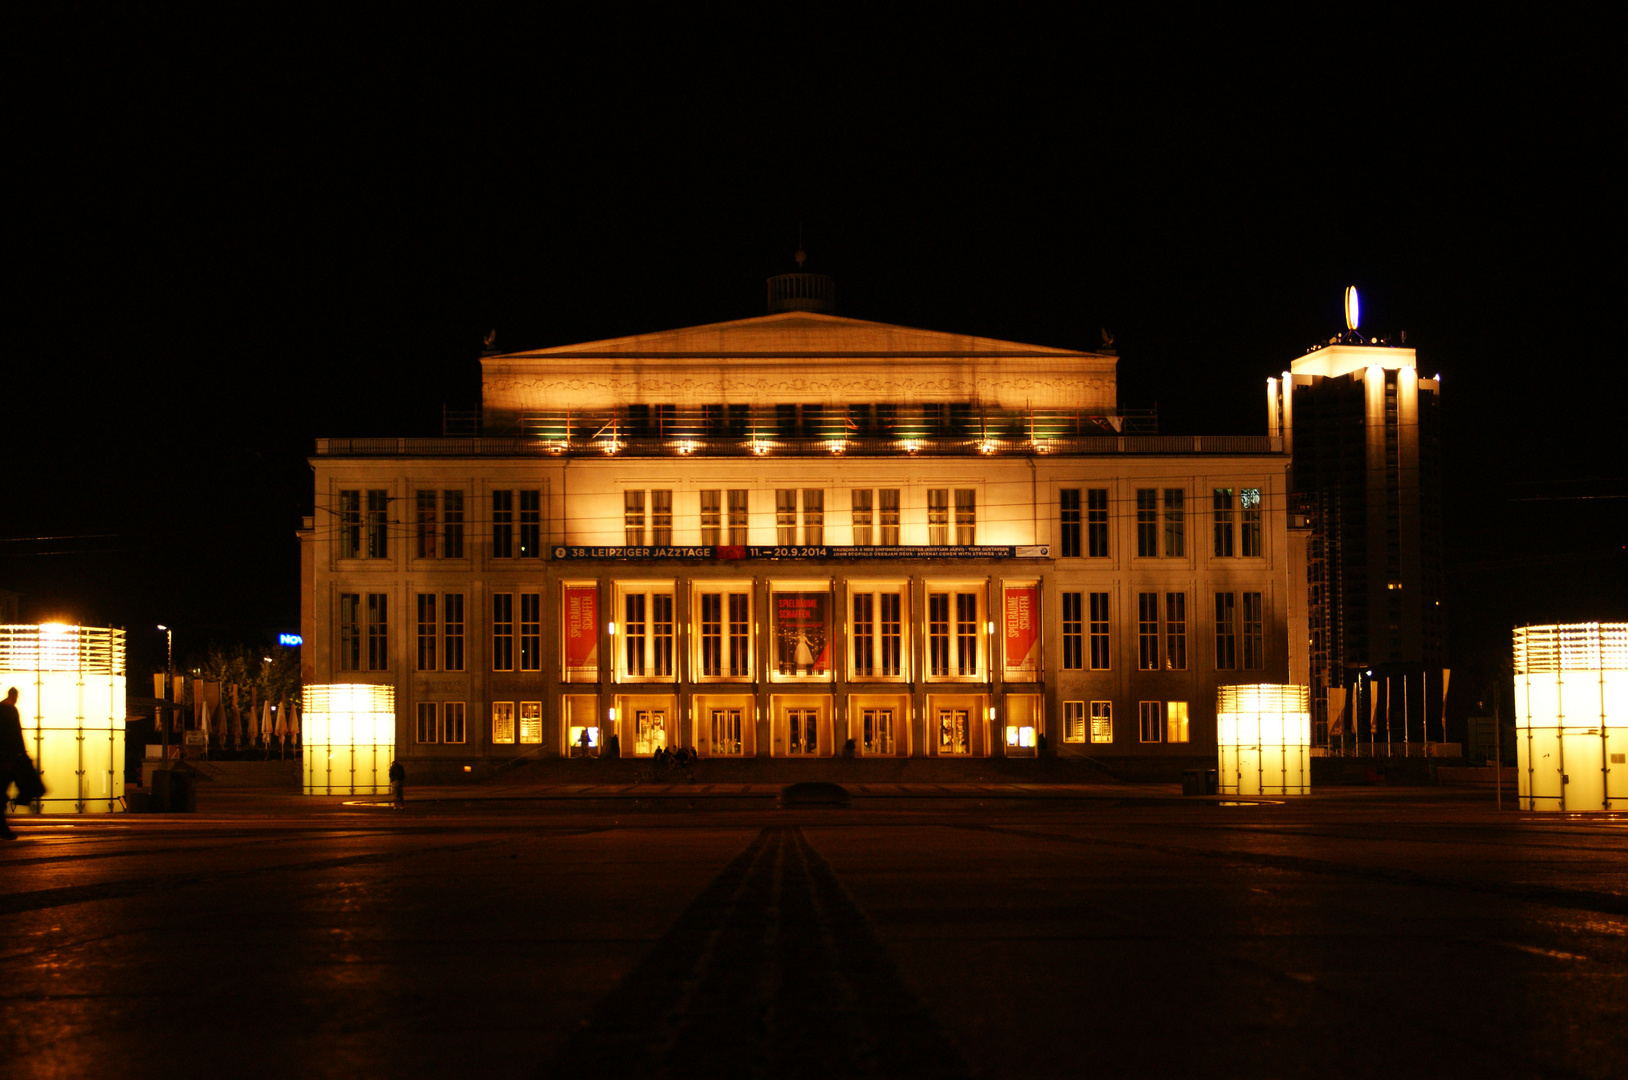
<point x="649" y="730"/>
<point x="878" y="730"/>
<point x="726" y="731"/>
<point x="802" y="731"/>
<point x="954" y="735"/>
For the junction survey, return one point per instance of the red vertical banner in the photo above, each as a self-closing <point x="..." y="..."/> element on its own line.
<point x="1022" y="631"/>
<point x="581" y="621"/>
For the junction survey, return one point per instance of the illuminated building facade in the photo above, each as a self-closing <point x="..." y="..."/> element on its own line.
<point x="797" y="536"/>
<point x="1362" y="429"/>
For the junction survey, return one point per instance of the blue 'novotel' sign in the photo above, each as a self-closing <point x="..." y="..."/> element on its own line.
<point x="290" y="639"/>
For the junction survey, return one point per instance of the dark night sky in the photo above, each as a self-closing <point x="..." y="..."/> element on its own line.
<point x="232" y="237"/>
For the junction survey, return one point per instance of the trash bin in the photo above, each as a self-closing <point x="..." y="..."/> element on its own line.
<point x="1192" y="782"/>
<point x="1212" y="781"/>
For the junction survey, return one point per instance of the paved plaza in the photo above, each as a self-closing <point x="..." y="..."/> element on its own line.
<point x="986" y="930"/>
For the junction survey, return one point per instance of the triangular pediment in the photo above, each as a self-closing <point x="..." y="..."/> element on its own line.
<point x="794" y="334"/>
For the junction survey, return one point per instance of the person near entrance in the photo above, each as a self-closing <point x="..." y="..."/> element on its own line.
<point x="16" y="767"/>
<point x="398" y="785"/>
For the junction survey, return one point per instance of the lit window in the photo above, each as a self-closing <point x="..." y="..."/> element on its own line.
<point x="1175" y="716"/>
<point x="531" y="722"/>
<point x="503" y="721"/>
<point x="938" y="516"/>
<point x="1074" y="730"/>
<point x="1102" y="721"/>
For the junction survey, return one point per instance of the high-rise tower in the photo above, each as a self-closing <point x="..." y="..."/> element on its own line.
<point x="1363" y="431"/>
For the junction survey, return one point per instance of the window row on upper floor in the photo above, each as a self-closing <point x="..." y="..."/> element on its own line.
<point x="861" y="517"/>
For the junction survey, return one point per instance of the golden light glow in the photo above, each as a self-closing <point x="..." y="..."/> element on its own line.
<point x="1571" y="716"/>
<point x="1353" y="308"/>
<point x="350" y="738"/>
<point x="1263" y="739"/>
<point x="71" y="701"/>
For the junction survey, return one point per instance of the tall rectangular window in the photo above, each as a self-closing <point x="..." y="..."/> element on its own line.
<point x="502" y="631"/>
<point x="966" y="517"/>
<point x="726" y="635"/>
<point x="531" y="631"/>
<point x="785" y="517"/>
<point x="1150" y="717"/>
<point x="1175" y="525"/>
<point x="1175" y="631"/>
<point x="1249" y="502"/>
<point x="1147" y="523"/>
<point x="813" y="516"/>
<point x="1099" y="631"/>
<point x="661" y="635"/>
<point x="428" y="632"/>
<point x="635" y="638"/>
<point x="863" y="517"/>
<point x="740" y="630"/>
<point x="1069" y="529"/>
<point x="378" y="632"/>
<point x="531" y="524"/>
<point x="966" y="633"/>
<point x="661" y="518"/>
<point x="350" y="524"/>
<point x="502" y="524"/>
<point x="1096" y="522"/>
<point x="452" y="722"/>
<point x="350" y="632"/>
<point x="938" y="516"/>
<point x="887" y="502"/>
<point x="864" y="636"/>
<point x="1254" y="631"/>
<point x="711" y="518"/>
<point x="738" y="519"/>
<point x="452" y="632"/>
<point x="1074" y="729"/>
<point x="428" y="726"/>
<point x="1075" y="722"/>
<point x="1073" y="631"/>
<point x="531" y="722"/>
<point x="1223" y="522"/>
<point x="452" y="527"/>
<point x="954" y="634"/>
<point x="1102" y="721"/>
<point x="712" y="633"/>
<point x="890" y="633"/>
<point x="1175" y="722"/>
<point x="1226" y="632"/>
<point x="503" y="721"/>
<point x="1147" y="631"/>
<point x="426" y="524"/>
<point x="633" y="518"/>
<point x="938" y="633"/>
<point x="378" y="524"/>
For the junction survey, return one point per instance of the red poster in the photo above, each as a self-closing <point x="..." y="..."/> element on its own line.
<point x="582" y="630"/>
<point x="1022" y="629"/>
<point x="802" y="634"/>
